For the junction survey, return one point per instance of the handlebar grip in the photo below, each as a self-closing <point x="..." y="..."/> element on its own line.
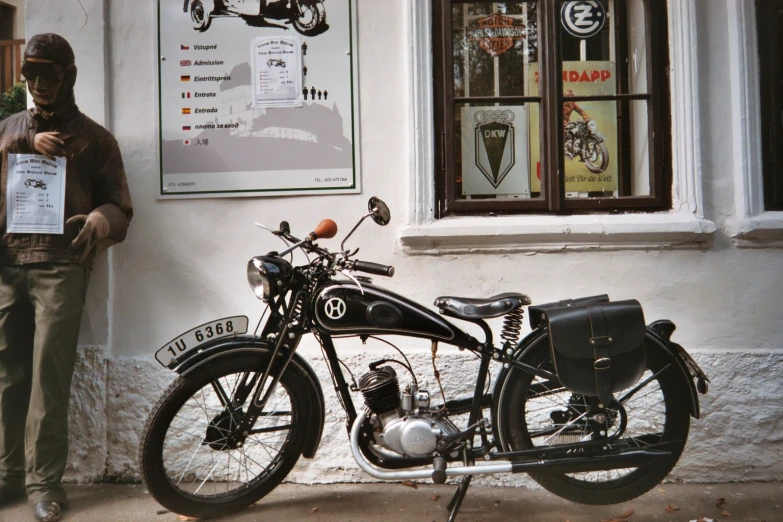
<point x="373" y="268"/>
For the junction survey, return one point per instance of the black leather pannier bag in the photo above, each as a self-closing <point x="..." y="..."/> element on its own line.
<point x="598" y="349"/>
<point x="536" y="312"/>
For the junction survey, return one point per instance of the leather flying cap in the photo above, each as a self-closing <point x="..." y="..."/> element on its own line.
<point x="50" y="46"/>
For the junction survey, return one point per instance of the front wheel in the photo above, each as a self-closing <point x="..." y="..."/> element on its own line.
<point x="193" y="460"/>
<point x="596" y="155"/>
<point x="535" y="412"/>
<point x="199" y="16"/>
<point x="310" y="19"/>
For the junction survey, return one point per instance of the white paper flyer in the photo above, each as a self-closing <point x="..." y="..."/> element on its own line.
<point x="277" y="76"/>
<point x="35" y="195"/>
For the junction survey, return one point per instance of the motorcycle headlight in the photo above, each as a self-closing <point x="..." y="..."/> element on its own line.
<point x="268" y="275"/>
<point x="258" y="279"/>
<point x="592" y="124"/>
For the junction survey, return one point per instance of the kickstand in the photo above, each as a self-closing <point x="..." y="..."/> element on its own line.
<point x="459" y="496"/>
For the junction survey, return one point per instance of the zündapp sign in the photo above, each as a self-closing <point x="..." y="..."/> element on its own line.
<point x="590" y="127"/>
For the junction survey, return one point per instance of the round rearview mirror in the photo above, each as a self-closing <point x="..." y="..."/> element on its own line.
<point x="380" y="212"/>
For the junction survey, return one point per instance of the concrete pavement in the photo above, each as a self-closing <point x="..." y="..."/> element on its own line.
<point x="746" y="502"/>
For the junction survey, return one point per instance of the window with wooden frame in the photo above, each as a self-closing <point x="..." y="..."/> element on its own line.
<point x="551" y="106"/>
<point x="770" y="31"/>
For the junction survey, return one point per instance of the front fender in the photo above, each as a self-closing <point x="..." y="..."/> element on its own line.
<point x="248" y="344"/>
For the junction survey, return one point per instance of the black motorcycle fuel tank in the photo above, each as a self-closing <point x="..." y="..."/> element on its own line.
<point x="342" y="308"/>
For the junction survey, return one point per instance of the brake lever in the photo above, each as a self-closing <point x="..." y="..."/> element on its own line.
<point x="348" y="274"/>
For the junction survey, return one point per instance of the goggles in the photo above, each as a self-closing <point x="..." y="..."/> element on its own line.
<point x="49" y="72"/>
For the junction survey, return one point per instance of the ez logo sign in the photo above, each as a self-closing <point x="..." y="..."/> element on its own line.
<point x="583" y="18"/>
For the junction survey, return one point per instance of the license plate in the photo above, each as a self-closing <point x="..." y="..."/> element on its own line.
<point x="199" y="336"/>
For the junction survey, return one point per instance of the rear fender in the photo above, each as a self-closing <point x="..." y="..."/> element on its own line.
<point x="655" y="335"/>
<point x="251" y="345"/>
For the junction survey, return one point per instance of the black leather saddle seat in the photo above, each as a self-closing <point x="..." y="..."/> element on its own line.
<point x="471" y="309"/>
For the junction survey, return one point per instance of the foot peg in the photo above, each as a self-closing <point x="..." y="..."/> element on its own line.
<point x="439" y="470"/>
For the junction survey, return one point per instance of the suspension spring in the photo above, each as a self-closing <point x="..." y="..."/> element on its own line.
<point x="512" y="326"/>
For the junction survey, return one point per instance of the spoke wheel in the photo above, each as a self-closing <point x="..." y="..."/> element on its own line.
<point x="194" y="460"/>
<point x="541" y="413"/>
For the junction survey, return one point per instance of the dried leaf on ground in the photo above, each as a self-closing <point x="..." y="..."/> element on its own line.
<point x="725" y="513"/>
<point x="720" y="503"/>
<point x="671" y="509"/>
<point x="435" y="498"/>
<point x="183" y="517"/>
<point x="625" y="514"/>
<point x="409" y="484"/>
<point x="162" y="512"/>
<point x="314" y="510"/>
<point x="661" y="491"/>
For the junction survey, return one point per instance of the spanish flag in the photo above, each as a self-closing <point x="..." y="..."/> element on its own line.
<point x="186" y="110"/>
<point x="185" y="78"/>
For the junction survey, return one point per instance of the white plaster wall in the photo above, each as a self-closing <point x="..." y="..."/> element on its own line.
<point x="183" y="262"/>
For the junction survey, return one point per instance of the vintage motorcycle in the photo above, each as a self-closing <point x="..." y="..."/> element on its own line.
<point x="593" y="404"/>
<point x="307" y="16"/>
<point x="583" y="140"/>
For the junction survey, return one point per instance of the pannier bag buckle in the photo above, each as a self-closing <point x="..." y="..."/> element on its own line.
<point x="603" y="363"/>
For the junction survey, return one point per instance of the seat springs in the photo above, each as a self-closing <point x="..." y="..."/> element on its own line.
<point x="512" y="326"/>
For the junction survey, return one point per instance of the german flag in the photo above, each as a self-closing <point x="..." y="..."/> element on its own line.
<point x="186" y="110"/>
<point x="185" y="78"/>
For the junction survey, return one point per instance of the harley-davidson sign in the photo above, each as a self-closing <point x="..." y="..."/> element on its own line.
<point x="496" y="33"/>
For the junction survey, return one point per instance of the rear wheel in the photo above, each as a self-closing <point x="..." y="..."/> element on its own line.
<point x="537" y="412"/>
<point x="192" y="457"/>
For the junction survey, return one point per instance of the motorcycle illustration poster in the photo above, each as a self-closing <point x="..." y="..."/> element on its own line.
<point x="590" y="165"/>
<point x="257" y="98"/>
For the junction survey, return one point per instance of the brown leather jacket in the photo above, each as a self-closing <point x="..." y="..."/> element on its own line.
<point x="95" y="176"/>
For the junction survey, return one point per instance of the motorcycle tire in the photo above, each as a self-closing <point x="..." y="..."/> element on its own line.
<point x="597" y="159"/>
<point x="185" y="442"/>
<point x="199" y="16"/>
<point x="313" y="25"/>
<point x="534" y="412"/>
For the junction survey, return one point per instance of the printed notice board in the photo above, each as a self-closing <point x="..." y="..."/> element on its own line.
<point x="257" y="97"/>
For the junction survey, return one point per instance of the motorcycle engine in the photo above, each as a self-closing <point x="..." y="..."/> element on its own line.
<point x="404" y="422"/>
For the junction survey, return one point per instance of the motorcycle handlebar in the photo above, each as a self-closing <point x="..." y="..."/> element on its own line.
<point x="373" y="268"/>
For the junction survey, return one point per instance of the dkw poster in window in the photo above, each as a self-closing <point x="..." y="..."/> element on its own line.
<point x="257" y="97"/>
<point x="495" y="151"/>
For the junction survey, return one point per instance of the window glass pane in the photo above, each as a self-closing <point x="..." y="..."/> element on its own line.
<point x="493" y="45"/>
<point x="606" y="149"/>
<point x="611" y="35"/>
<point x="493" y="146"/>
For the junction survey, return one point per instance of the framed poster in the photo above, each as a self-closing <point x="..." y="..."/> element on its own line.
<point x="257" y="97"/>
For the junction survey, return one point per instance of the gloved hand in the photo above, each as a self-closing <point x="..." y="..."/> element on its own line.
<point x="104" y="223"/>
<point x="49" y="144"/>
<point x="95" y="227"/>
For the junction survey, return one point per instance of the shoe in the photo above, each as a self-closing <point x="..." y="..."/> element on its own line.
<point x="48" y="511"/>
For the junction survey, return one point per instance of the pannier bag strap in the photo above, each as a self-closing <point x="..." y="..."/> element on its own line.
<point x="601" y="341"/>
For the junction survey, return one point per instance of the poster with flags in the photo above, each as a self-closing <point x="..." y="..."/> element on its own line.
<point x="255" y="101"/>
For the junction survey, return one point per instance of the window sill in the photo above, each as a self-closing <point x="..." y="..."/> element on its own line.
<point x="556" y="233"/>
<point x="762" y="231"/>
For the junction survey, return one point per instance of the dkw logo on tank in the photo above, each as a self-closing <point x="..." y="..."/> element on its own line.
<point x="583" y="18"/>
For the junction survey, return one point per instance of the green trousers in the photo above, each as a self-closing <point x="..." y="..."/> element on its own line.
<point x="40" y="313"/>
